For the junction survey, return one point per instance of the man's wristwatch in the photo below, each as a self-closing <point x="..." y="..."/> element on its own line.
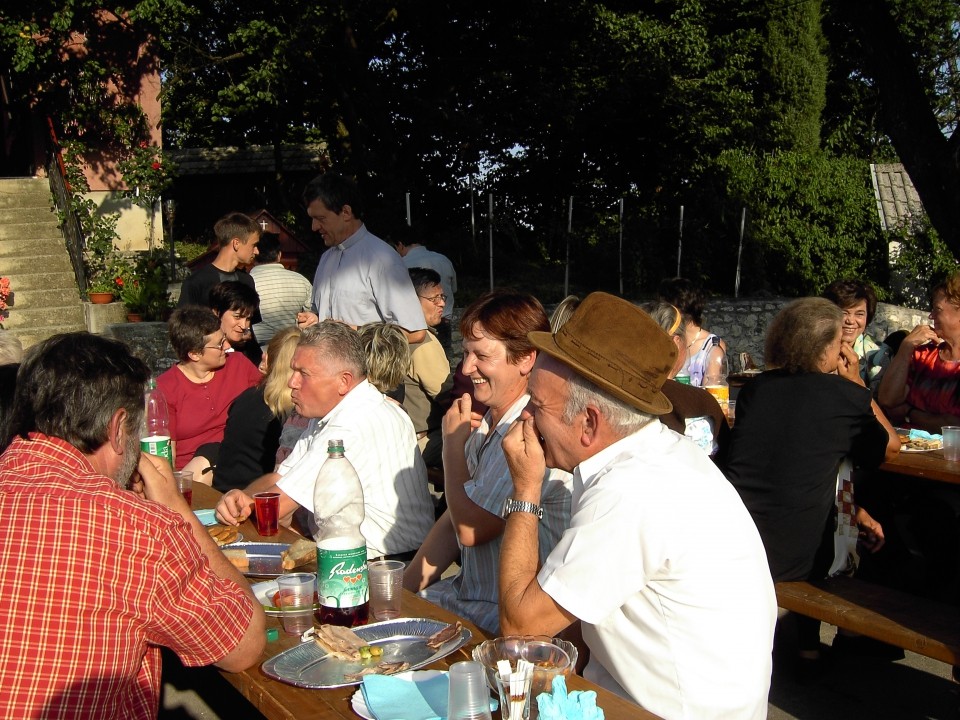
<point x="511" y="506"/>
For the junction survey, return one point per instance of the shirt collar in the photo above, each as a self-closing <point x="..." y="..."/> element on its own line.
<point x="634" y="444"/>
<point x="353" y="239"/>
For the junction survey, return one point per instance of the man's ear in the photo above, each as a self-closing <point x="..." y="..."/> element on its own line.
<point x="116" y="431"/>
<point x="348" y="211"/>
<point x="590" y="426"/>
<point x="346" y="382"/>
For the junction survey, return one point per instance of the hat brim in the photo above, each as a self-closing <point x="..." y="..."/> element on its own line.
<point x="545" y="342"/>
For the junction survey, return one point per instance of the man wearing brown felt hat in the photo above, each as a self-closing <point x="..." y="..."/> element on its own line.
<point x="661" y="563"/>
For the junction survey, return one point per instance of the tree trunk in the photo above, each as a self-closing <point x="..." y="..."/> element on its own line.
<point x="907" y="117"/>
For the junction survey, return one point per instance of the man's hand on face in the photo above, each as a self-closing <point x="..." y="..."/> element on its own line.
<point x="524" y="453"/>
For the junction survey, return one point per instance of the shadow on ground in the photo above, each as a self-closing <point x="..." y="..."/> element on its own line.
<point x="851" y="686"/>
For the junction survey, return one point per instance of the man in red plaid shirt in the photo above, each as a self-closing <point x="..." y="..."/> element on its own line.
<point x="101" y="560"/>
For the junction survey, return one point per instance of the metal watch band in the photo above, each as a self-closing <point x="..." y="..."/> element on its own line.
<point x="511" y="506"/>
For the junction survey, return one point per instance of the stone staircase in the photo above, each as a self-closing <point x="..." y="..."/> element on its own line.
<point x="34" y="256"/>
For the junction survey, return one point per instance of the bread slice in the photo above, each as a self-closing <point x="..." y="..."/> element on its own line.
<point x="299" y="553"/>
<point x="238" y="558"/>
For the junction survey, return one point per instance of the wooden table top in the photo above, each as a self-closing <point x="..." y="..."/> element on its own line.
<point x="279" y="701"/>
<point x="926" y="465"/>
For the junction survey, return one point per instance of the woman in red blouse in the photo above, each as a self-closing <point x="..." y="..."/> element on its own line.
<point x="200" y="388"/>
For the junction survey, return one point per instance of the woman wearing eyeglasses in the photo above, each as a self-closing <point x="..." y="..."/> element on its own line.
<point x="201" y="386"/>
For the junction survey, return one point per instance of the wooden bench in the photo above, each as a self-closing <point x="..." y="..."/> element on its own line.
<point x="913" y="623"/>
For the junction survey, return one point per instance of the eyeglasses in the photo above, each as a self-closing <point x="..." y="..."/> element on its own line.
<point x="436" y="299"/>
<point x="223" y="343"/>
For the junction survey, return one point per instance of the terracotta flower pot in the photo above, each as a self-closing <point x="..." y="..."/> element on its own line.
<point x="101" y="298"/>
<point x="134" y="317"/>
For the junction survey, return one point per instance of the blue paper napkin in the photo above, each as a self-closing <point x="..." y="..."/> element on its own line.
<point x="923" y="435"/>
<point x="560" y="705"/>
<point x="206" y="517"/>
<point x="392" y="698"/>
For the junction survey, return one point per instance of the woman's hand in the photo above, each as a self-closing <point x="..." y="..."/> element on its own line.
<point x="920" y="335"/>
<point x="848" y="365"/>
<point x="871" y="533"/>
<point x="460" y="420"/>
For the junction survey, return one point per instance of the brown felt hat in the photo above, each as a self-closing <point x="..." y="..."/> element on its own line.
<point x="618" y="347"/>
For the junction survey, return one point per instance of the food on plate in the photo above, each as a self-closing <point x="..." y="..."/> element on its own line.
<point x="299" y="553"/>
<point x="444" y="635"/>
<point x="340" y="642"/>
<point x="384" y="668"/>
<point x="238" y="558"/>
<point x="223" y="534"/>
<point x="924" y="444"/>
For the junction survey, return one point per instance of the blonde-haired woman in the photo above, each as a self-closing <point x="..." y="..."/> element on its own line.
<point x="255" y="419"/>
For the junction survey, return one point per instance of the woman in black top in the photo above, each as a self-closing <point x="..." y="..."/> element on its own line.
<point x="795" y="424"/>
<point x="254" y="421"/>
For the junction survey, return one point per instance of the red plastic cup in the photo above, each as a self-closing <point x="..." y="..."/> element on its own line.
<point x="267" y="513"/>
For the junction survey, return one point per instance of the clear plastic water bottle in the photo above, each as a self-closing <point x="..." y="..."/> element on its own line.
<point x="155" y="437"/>
<point x="342" y="585"/>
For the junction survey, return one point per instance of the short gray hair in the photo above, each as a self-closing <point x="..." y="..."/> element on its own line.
<point x="667" y="316"/>
<point x="339" y="343"/>
<point x="623" y="418"/>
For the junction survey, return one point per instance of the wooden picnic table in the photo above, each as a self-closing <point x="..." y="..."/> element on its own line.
<point x="280" y="701"/>
<point x="926" y="465"/>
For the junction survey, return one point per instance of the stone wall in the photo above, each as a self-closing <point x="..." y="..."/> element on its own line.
<point x="742" y="322"/>
<point x="149" y="341"/>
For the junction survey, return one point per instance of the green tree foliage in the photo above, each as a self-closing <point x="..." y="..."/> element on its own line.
<point x="715" y="106"/>
<point x="813" y="218"/>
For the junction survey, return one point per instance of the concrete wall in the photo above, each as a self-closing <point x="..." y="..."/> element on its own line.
<point x="742" y="322"/>
<point x="133" y="225"/>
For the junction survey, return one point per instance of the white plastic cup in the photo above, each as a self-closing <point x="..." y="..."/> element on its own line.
<point x="296" y="601"/>
<point x="385" y="579"/>
<point x="468" y="697"/>
<point x="951" y="442"/>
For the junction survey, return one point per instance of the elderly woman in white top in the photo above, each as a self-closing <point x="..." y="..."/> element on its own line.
<point x="498" y="358"/>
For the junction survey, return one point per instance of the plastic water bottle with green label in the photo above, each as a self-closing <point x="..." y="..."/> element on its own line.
<point x="342" y="588"/>
<point x="155" y="437"/>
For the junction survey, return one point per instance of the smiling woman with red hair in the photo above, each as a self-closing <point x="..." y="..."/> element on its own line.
<point x="497" y="358"/>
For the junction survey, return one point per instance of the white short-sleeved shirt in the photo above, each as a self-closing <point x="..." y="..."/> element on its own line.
<point x="421" y="257"/>
<point x="667" y="571"/>
<point x="473" y="592"/>
<point x="363" y="280"/>
<point x="379" y="441"/>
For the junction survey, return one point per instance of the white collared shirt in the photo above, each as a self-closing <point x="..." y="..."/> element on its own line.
<point x="666" y="569"/>
<point x="379" y="441"/>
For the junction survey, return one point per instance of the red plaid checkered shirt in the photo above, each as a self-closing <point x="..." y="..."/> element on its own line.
<point x="93" y="580"/>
